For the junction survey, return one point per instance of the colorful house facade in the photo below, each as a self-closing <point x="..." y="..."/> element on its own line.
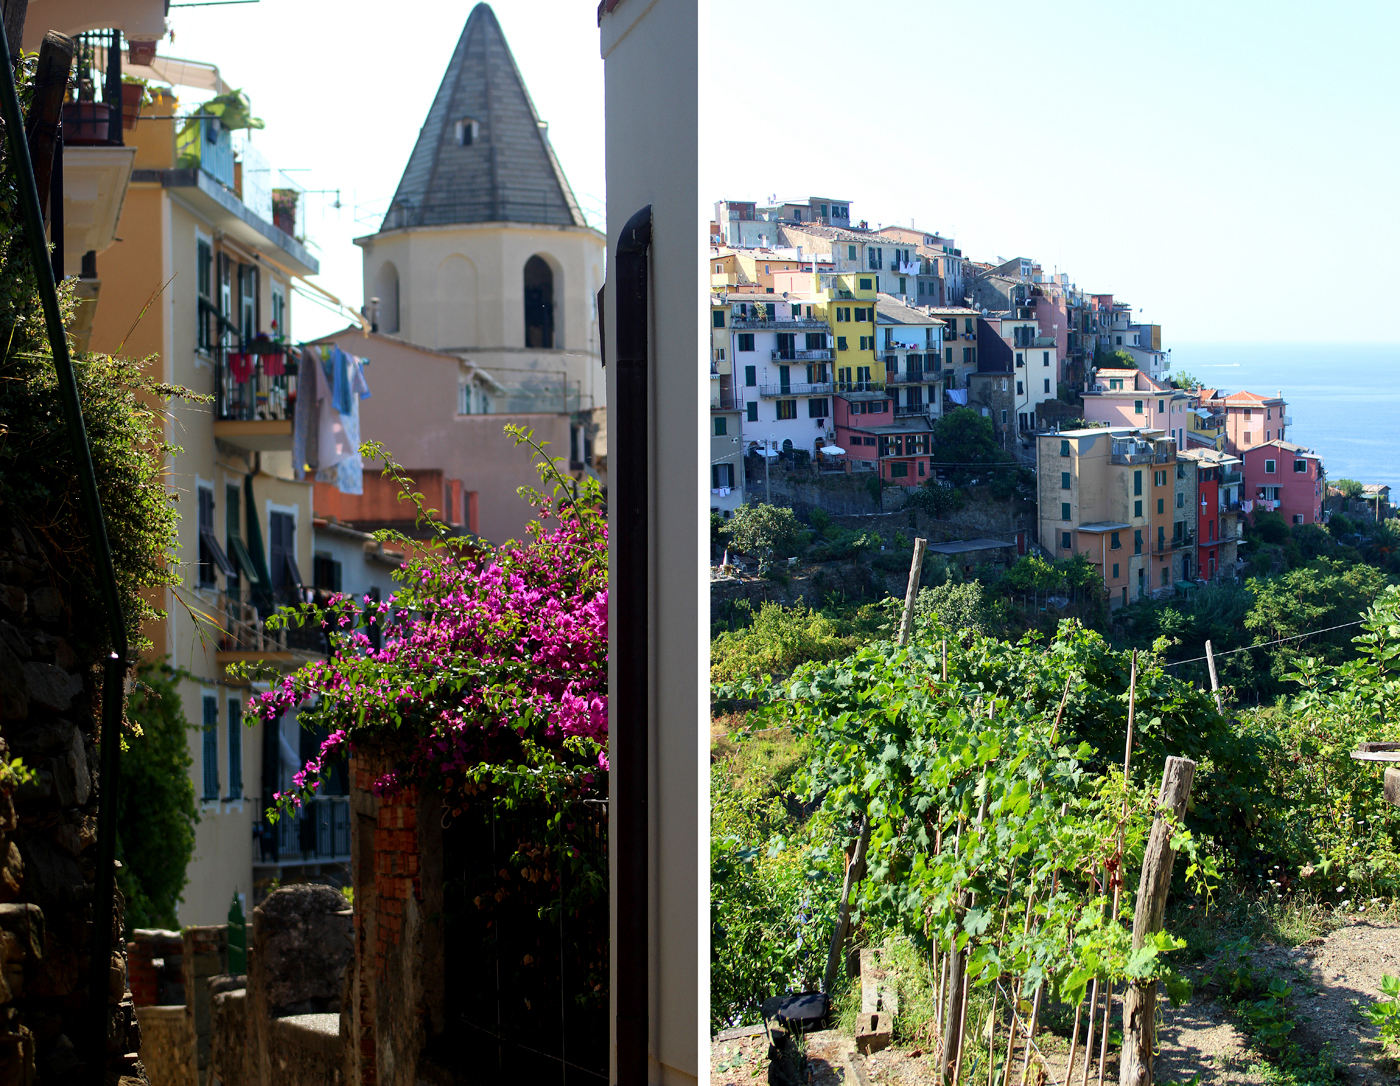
<point x="1286" y="479"/>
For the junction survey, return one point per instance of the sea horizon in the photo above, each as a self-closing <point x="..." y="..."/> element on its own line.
<point x="1351" y="425"/>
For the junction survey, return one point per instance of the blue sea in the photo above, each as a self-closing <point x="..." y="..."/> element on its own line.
<point x="1344" y="399"/>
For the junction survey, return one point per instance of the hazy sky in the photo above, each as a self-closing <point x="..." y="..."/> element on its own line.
<point x="344" y="87"/>
<point x="1229" y="167"/>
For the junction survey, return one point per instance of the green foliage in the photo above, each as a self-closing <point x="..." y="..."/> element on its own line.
<point x="156" y="810"/>
<point x="1186" y="381"/>
<point x="1385" y="1014"/>
<point x="887" y="740"/>
<point x="759" y="528"/>
<point x="778" y="639"/>
<point x="123" y="413"/>
<point x="950" y="606"/>
<point x="1114" y="360"/>
<point x="934" y="499"/>
<point x="1269" y="527"/>
<point x="1350" y="488"/>
<point x="966" y="442"/>
<point x="1339" y="524"/>
<point x="718" y="525"/>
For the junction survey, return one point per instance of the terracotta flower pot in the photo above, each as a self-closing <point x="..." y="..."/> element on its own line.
<point x="131" y="104"/>
<point x="86" y="122"/>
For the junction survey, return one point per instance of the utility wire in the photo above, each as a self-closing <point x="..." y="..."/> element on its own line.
<point x="1266" y="644"/>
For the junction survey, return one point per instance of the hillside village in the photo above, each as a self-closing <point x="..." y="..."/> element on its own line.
<point x="837" y="349"/>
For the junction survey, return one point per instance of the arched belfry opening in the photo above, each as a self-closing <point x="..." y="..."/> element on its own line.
<point x="539" y="303"/>
<point x="386" y="289"/>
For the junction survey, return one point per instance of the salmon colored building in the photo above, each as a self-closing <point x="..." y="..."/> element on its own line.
<point x="1250" y="419"/>
<point x="1287" y="479"/>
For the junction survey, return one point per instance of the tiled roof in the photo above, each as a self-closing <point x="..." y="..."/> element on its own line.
<point x="508" y="172"/>
<point x="890" y="310"/>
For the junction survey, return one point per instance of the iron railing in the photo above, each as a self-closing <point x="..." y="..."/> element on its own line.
<point x="820" y="388"/>
<point x="254" y="386"/>
<point x="822" y="355"/>
<point x="319" y="832"/>
<point x="750" y="324"/>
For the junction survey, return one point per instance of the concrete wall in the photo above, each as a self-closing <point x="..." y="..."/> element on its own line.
<point x="653" y="63"/>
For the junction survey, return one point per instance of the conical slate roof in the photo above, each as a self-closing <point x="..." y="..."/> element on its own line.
<point x="507" y="172"/>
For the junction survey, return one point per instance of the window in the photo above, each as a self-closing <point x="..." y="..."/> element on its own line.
<point x="840" y="343"/>
<point x="233" y="541"/>
<point x="719" y="354"/>
<point x="1114" y="544"/>
<point x="467" y="131"/>
<point x="1137" y="482"/>
<point x="325" y="572"/>
<point x="281" y="552"/>
<point x="1137" y="508"/>
<point x="1268" y="412"/>
<point x="1161" y="407"/>
<point x="1268" y="467"/>
<point x="1248" y="438"/>
<point x="752" y="407"/>
<point x="1045" y="358"/>
<point x="899" y="469"/>
<point x="861" y="316"/>
<point x="1115" y="571"/>
<point x="1020" y="389"/>
<point x="235" y="748"/>
<point x="1047" y="384"/>
<point x="210" y="754"/>
<point x="850" y="252"/>
<point x="1003" y="416"/>
<point x="1137" y="407"/>
<point x="817" y="407"/>
<point x="750" y="376"/>
<point x="204" y="277"/>
<point x="746" y="341"/>
<point x="1268" y="435"/>
<point x="279" y="309"/>
<point x="721" y="475"/>
<point x="949" y="355"/>
<point x="1115" y="383"/>
<point x="248" y="300"/>
<point x="1166" y="576"/>
<point x="721" y="426"/>
<point x="1064" y="511"/>
<point x="865" y="284"/>
<point x="1064" y="480"/>
<point x="1300" y="467"/>
<point x="718" y="315"/>
<point x="843" y="314"/>
<point x="787" y="409"/>
<point x="1249" y="412"/>
<point x="1064" y="446"/>
<point x="901" y="285"/>
<point x="1137" y="542"/>
<point x="1064" y="540"/>
<point x="208" y="545"/>
<point x="719" y="270"/>
<point x="1181" y="501"/>
<point x="1297" y="518"/>
<point x="1160" y="506"/>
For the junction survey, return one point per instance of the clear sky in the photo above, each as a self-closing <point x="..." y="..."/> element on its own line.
<point x="1229" y="167"/>
<point x="344" y="87"/>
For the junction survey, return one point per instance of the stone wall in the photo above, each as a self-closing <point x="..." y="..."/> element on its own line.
<point x="50" y="699"/>
<point x="166" y="1045"/>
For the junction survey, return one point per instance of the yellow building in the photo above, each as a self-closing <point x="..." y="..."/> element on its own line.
<point x="847" y="301"/>
<point x="749" y="271"/>
<point x="212" y="273"/>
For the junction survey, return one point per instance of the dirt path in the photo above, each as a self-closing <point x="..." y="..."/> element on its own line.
<point x="1330" y="976"/>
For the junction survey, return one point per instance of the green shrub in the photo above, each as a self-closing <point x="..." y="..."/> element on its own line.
<point x="778" y="639"/>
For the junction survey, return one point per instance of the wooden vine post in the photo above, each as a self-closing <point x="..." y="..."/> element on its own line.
<point x="1140" y="1002"/>
<point x="906" y="627"/>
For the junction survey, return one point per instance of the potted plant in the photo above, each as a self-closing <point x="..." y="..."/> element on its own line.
<point x="86" y="122"/>
<point x="136" y="92"/>
<point x="284" y="210"/>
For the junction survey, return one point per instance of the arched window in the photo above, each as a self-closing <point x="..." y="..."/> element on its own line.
<point x="539" y="304"/>
<point x="386" y="289"/>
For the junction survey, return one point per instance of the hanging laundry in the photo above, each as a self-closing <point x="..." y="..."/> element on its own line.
<point x="274" y="365"/>
<point x="241" y="366"/>
<point x="338" y="432"/>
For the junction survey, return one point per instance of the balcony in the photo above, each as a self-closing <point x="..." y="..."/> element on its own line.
<point x="915" y="410"/>
<point x="726" y="400"/>
<point x="781" y="324"/>
<point x="1130" y="453"/>
<point x="1230" y="507"/>
<point x="254" y="399"/>
<point x="912" y="377"/>
<point x="317" y="833"/>
<point x="1231" y="477"/>
<point x="823" y="355"/>
<point x="821" y="388"/>
<point x="1286" y="420"/>
<point x="860" y="386"/>
<point x="1175" y="543"/>
<point x="243" y="636"/>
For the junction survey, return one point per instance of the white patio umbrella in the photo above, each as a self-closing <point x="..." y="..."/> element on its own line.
<point x="833" y="450"/>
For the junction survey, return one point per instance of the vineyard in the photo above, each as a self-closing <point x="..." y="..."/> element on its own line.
<point x="982" y="810"/>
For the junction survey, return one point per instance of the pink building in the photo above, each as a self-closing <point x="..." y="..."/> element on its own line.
<point x="1250" y="419"/>
<point x="1124" y="397"/>
<point x="1285" y="478"/>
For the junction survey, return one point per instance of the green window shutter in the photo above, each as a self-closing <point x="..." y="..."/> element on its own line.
<point x="1064" y="511"/>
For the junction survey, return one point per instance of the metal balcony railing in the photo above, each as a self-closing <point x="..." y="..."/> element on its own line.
<point x="822" y="388"/>
<point x="318" y="832"/>
<point x="242" y="625"/>
<point x="726" y="400"/>
<point x="1232" y="477"/>
<point x="1130" y="455"/>
<point x="822" y="355"/>
<point x="782" y="324"/>
<point x="860" y="386"/>
<point x="913" y="410"/>
<point x="911" y="377"/>
<point x="253" y="386"/>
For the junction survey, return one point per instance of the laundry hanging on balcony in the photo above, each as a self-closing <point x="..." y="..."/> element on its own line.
<point x="326" y="428"/>
<point x="241" y="366"/>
